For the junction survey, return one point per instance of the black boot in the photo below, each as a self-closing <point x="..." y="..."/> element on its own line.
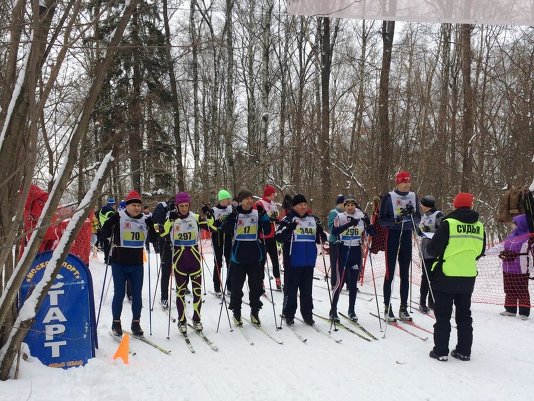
<point x="136" y="329"/>
<point x="116" y="328"/>
<point x="254" y="317"/>
<point x="237" y="317"/>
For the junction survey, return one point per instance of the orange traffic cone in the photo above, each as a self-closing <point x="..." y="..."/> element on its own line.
<point x="123" y="349"/>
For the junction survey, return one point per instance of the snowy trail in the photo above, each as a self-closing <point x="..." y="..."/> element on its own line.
<point x="396" y="368"/>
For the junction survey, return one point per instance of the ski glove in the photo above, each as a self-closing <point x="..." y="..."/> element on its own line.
<point x="291" y="226"/>
<point x="206" y="209"/>
<point x="261" y="210"/>
<point x="352" y="222"/>
<point x="173" y="215"/>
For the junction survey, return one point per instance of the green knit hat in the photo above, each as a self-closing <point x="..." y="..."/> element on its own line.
<point x="223" y="194"/>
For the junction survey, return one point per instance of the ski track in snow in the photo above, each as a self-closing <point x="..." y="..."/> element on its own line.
<point x="396" y="368"/>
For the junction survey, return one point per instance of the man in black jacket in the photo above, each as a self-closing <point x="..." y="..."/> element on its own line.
<point x="129" y="229"/>
<point x="457" y="244"/>
<point x="244" y="224"/>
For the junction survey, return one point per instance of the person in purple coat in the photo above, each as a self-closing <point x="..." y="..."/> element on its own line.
<point x="517" y="258"/>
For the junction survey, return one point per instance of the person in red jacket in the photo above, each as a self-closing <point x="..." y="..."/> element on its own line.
<point x="267" y="202"/>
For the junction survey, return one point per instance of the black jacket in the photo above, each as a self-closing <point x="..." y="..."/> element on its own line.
<point x="246" y="252"/>
<point x="436" y="248"/>
<point x="120" y="255"/>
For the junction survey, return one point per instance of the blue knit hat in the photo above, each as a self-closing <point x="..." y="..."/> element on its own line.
<point x="111" y="201"/>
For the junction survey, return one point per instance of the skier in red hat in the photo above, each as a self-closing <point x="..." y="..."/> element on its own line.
<point x="128" y="230"/>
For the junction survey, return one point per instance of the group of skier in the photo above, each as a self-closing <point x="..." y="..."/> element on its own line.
<point x="245" y="231"/>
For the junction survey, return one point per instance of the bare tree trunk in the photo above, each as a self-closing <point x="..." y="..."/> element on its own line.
<point x="136" y="118"/>
<point x="229" y="178"/>
<point x="265" y="87"/>
<point x="180" y="180"/>
<point x="467" y="122"/>
<point x="384" y="159"/>
<point x="327" y="49"/>
<point x="194" y="73"/>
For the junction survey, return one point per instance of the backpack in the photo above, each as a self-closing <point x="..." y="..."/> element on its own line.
<point x="511" y="204"/>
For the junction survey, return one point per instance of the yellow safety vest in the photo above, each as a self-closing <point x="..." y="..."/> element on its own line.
<point x="465" y="245"/>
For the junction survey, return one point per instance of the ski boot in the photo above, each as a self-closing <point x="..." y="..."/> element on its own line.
<point x="441" y="358"/>
<point x="506" y="313"/>
<point x="309" y="320"/>
<point x="352" y="316"/>
<point x="136" y="329"/>
<point x="197" y="325"/>
<point x="461" y="357"/>
<point x="290" y="321"/>
<point x="403" y="314"/>
<point x="116" y="328"/>
<point x="254" y="318"/>
<point x="389" y="316"/>
<point x="182" y="327"/>
<point x="237" y="317"/>
<point x="333" y="316"/>
<point x="164" y="304"/>
<point x="423" y="308"/>
<point x="218" y="294"/>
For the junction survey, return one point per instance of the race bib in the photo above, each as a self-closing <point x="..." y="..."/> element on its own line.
<point x="247" y="227"/>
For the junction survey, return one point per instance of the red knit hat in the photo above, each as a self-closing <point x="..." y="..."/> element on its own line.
<point x="403" y="176"/>
<point x="268" y="190"/>
<point x="133" y="197"/>
<point x="463" y="199"/>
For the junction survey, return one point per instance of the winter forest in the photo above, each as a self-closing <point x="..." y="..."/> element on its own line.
<point x="99" y="97"/>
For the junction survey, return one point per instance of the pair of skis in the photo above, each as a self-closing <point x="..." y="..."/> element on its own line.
<point x="201" y="335"/>
<point x="318" y="330"/>
<point x="367" y="337"/>
<point x="148" y="342"/>
<point x="408" y="323"/>
<point x="259" y="328"/>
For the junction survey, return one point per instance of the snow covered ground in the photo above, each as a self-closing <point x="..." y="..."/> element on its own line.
<point x="395" y="368"/>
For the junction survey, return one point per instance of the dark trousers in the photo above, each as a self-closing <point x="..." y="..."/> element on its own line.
<point x="347" y="271"/>
<point x="220" y="250"/>
<point x="238" y="274"/>
<point x="298" y="279"/>
<point x="106" y="244"/>
<point x="272" y="251"/>
<point x="166" y="267"/>
<point x="394" y="237"/>
<point x="425" y="288"/>
<point x="334" y="254"/>
<point x="120" y="274"/>
<point x="464" y="323"/>
<point x="516" y="290"/>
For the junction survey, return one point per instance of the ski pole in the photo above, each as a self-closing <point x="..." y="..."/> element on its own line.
<point x="223" y="302"/>
<point x="386" y="312"/>
<point x="173" y="266"/>
<point x="224" y="289"/>
<point x="159" y="269"/>
<point x="376" y="295"/>
<point x="102" y="295"/>
<point x="423" y="263"/>
<point x="201" y="267"/>
<point x="270" y="284"/>
<point x="149" y="292"/>
<point x="326" y="276"/>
